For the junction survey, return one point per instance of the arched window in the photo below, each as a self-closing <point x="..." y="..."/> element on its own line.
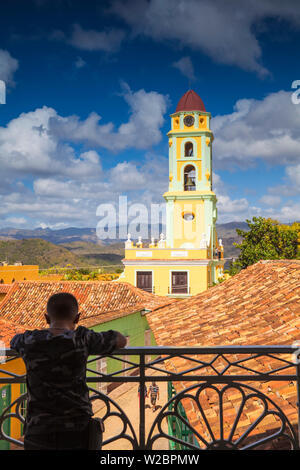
<point x="189" y="178"/>
<point x="188" y="149"/>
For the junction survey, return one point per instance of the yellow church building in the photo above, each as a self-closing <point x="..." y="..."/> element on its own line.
<point x="190" y="258"/>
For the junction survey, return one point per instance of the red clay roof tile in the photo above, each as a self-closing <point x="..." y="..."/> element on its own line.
<point x="8" y="330"/>
<point x="4" y="288"/>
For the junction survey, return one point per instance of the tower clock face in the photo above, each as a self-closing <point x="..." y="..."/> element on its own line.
<point x="188" y="120"/>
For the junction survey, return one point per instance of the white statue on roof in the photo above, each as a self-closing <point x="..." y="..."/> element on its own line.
<point x="128" y="243"/>
<point x="162" y="241"/>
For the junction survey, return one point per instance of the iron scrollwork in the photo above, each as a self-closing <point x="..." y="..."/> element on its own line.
<point x="222" y="437"/>
<point x="214" y="406"/>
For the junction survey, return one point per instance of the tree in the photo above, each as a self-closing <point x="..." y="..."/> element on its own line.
<point x="266" y="239"/>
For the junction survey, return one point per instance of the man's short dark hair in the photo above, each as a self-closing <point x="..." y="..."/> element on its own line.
<point x="62" y="305"/>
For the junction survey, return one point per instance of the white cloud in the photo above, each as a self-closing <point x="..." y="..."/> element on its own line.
<point x="15" y="221"/>
<point x="286" y="213"/>
<point x="128" y="177"/>
<point x="142" y="131"/>
<point x="28" y="148"/>
<point x="92" y="40"/>
<point x="267" y="129"/>
<point x="229" y="209"/>
<point x="73" y="201"/>
<point x="239" y="209"/>
<point x="79" y="63"/>
<point x="185" y="66"/>
<point x="290" y="187"/>
<point x="66" y="185"/>
<point x="226" y="34"/>
<point x="8" y="66"/>
<point x="293" y="173"/>
<point x="270" y="200"/>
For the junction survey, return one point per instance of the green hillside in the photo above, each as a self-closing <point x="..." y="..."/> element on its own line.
<point x="37" y="251"/>
<point x="97" y="254"/>
<point x="47" y="254"/>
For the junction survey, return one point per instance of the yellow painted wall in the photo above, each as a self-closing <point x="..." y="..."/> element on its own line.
<point x="165" y="253"/>
<point x="188" y="231"/>
<point x="16" y="366"/>
<point x="198" y="279"/>
<point x="176" y="123"/>
<point x="180" y="149"/>
<point x="203" y="123"/>
<point x="19" y="273"/>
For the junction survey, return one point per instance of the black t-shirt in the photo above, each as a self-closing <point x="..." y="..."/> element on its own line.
<point x="58" y="396"/>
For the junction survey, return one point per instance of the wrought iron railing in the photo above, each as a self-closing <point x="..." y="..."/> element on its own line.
<point x="223" y="397"/>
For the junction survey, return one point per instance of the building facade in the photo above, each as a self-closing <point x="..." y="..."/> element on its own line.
<point x="18" y="272"/>
<point x="189" y="258"/>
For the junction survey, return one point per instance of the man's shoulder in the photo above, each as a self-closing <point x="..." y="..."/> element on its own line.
<point x="82" y="331"/>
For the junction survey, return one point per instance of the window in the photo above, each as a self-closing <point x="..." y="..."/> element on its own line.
<point x="188" y="216"/>
<point x="188" y="149"/>
<point x="189" y="178"/>
<point x="144" y="280"/>
<point x="179" y="282"/>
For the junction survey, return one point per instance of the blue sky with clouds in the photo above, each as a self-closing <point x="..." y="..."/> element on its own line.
<point x="90" y="87"/>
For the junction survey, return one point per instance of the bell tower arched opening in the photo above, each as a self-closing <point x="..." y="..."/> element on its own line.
<point x="189" y="178"/>
<point x="188" y="149"/>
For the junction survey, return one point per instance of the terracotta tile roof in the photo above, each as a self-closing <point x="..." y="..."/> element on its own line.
<point x="259" y="306"/>
<point x="8" y="330"/>
<point x="4" y="288"/>
<point x="98" y="301"/>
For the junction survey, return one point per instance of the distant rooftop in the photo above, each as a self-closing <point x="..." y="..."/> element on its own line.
<point x="99" y="302"/>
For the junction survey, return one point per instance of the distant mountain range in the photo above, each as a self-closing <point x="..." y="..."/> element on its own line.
<point x="81" y="247"/>
<point x="75" y="234"/>
<point x="54" y="236"/>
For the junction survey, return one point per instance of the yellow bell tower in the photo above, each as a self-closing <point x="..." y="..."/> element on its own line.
<point x="191" y="203"/>
<point x="190" y="258"/>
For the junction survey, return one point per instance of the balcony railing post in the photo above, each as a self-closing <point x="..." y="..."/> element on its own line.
<point x="298" y="395"/>
<point x="142" y="401"/>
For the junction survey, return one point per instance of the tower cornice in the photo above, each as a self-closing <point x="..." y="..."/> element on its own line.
<point x="180" y="133"/>
<point x="178" y="113"/>
<point x="184" y="195"/>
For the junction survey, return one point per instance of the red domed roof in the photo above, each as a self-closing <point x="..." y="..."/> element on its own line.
<point x="190" y="101"/>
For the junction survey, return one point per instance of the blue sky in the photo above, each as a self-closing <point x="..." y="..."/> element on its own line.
<point x="90" y="87"/>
